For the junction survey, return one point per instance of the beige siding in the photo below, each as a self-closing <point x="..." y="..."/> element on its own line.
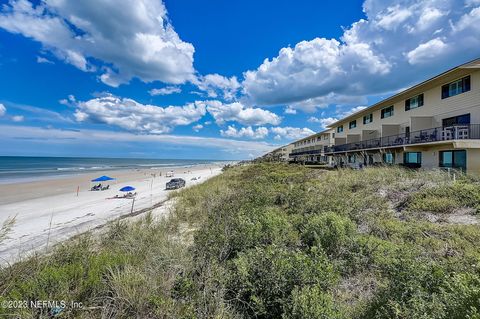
<point x="434" y="110"/>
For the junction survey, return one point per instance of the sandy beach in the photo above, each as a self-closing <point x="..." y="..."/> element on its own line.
<point x="49" y="211"/>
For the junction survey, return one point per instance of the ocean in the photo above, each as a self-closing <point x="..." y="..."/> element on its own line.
<point x="19" y="168"/>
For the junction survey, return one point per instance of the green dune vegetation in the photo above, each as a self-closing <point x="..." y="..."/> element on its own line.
<point x="276" y="241"/>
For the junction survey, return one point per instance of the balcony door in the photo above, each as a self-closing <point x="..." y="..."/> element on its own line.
<point x="457" y="120"/>
<point x="456" y="127"/>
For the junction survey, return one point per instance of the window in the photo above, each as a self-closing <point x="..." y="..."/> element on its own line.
<point x="352" y="159"/>
<point x="457" y="120"/>
<point x="453" y="159"/>
<point x="414" y="102"/>
<point x="412" y="159"/>
<point x="368" y="118"/>
<point x="389" y="158"/>
<point x="456" y="87"/>
<point x="352" y="124"/>
<point x="387" y="112"/>
<point x="340" y="129"/>
<point x="325" y="137"/>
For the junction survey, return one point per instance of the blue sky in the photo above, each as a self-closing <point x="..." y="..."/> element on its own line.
<point x="210" y="79"/>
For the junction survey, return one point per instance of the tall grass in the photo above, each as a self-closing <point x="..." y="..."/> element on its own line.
<point x="6" y="228"/>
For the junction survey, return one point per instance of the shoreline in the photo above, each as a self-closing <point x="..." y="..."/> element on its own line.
<point x="15" y="191"/>
<point x="49" y="211"/>
<point x="78" y="172"/>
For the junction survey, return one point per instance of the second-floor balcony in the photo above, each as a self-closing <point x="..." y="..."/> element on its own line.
<point x="311" y="150"/>
<point x="431" y="135"/>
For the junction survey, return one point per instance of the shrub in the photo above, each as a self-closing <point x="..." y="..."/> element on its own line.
<point x="264" y="278"/>
<point x="329" y="231"/>
<point x="312" y="302"/>
<point x="446" y="198"/>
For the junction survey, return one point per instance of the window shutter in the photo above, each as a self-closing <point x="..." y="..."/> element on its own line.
<point x="407" y="104"/>
<point x="420" y="100"/>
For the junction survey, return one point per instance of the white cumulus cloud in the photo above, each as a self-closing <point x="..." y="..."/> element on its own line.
<point x="352" y="111"/>
<point x="323" y="121"/>
<point x="237" y="112"/>
<point x="393" y="17"/>
<point x="313" y="104"/>
<point x="131" y="38"/>
<point x="326" y="121"/>
<point x="399" y="43"/>
<point x="197" y="127"/>
<point x="291" y="133"/>
<point x="136" y="117"/>
<point x="426" y="51"/>
<point x="165" y="91"/>
<point x="245" y="132"/>
<point x="216" y="85"/>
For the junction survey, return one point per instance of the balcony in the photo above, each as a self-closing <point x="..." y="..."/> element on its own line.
<point x="436" y="134"/>
<point x="312" y="150"/>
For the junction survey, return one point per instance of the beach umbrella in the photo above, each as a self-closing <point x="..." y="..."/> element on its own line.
<point x="127" y="189"/>
<point x="103" y="179"/>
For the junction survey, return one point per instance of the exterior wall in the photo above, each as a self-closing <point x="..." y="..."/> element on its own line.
<point x="310" y="149"/>
<point x="473" y="161"/>
<point x="429" y="115"/>
<point x="430" y="157"/>
<point x="433" y="111"/>
<point x="280" y="154"/>
<point x="285" y="152"/>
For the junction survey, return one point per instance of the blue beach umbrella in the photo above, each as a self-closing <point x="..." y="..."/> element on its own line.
<point x="127" y="189"/>
<point x="103" y="179"/>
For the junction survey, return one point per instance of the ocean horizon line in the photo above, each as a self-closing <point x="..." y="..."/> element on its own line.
<point x="15" y="169"/>
<point x="109" y="157"/>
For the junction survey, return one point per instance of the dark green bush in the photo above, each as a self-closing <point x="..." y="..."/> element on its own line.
<point x="329" y="231"/>
<point x="264" y="278"/>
